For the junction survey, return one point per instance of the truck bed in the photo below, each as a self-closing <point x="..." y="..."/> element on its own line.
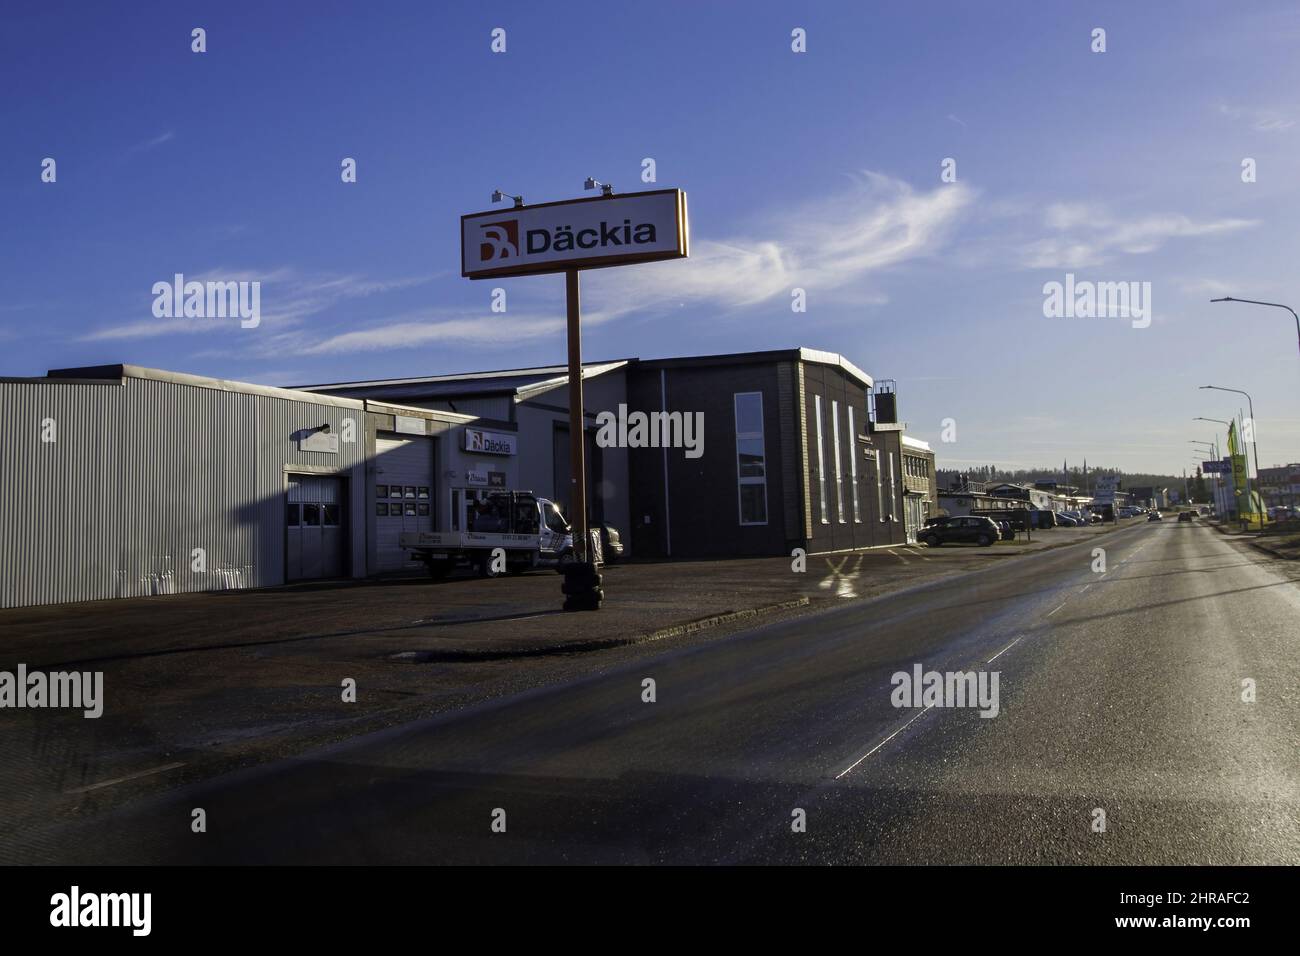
<point x="466" y="540"/>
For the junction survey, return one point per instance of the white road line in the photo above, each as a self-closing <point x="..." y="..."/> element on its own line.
<point x="1004" y="650"/>
<point x="129" y="776"/>
<point x="897" y="555"/>
<point x="885" y="741"/>
<point x="1055" y="609"/>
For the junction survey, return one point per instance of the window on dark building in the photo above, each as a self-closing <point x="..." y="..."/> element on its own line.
<point x="751" y="458"/>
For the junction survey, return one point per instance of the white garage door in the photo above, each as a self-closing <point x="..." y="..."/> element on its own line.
<point x="403" y="497"/>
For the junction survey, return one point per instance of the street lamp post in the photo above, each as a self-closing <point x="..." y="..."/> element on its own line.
<point x="1275" y="305"/>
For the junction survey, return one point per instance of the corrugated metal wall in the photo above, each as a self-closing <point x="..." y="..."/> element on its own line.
<point x="143" y="473"/>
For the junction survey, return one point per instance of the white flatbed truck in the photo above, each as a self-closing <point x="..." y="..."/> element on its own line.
<point x="494" y="532"/>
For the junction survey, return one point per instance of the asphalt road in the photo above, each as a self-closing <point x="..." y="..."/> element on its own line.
<point x="1119" y="691"/>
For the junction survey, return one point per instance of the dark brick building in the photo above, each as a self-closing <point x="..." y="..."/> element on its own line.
<point x="791" y="458"/>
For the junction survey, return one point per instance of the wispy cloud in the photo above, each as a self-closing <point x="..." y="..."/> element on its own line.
<point x="1088" y="234"/>
<point x="149" y="144"/>
<point x="287" y="298"/>
<point x="1260" y="119"/>
<point x="436" y="327"/>
<point x="822" y="246"/>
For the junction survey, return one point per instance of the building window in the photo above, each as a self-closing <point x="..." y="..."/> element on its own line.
<point x="751" y="458"/>
<point x="853" y="466"/>
<point x="835" y="448"/>
<point x="893" y="483"/>
<point x="880" y="486"/>
<point x="821" y="458"/>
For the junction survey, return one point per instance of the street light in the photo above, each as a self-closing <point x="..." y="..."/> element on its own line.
<point x="1254" y="443"/>
<point x="1275" y="305"/>
<point x="498" y="195"/>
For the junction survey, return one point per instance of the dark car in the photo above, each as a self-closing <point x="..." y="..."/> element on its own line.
<point x="967" y="530"/>
<point x="1186" y="515"/>
<point x="1157" y="516"/>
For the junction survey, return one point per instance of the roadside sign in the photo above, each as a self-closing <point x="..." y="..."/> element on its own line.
<point x="589" y="233"/>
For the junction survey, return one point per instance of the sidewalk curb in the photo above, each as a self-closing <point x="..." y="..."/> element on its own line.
<point x="1258" y="545"/>
<point x="600" y="644"/>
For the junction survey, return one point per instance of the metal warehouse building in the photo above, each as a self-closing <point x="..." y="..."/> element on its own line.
<point x="121" y="481"/>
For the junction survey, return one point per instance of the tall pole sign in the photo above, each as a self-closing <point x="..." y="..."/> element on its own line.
<point x="569" y="236"/>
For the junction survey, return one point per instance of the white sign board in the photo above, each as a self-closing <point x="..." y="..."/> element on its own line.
<point x="408" y="425"/>
<point x="320" y="442"/>
<point x="489" y="443"/>
<point x="576" y="234"/>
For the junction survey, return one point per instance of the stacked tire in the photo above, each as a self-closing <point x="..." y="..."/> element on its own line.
<point x="582" y="586"/>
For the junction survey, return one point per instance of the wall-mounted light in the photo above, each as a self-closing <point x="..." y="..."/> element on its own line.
<point x="605" y="188"/>
<point x="498" y="195"/>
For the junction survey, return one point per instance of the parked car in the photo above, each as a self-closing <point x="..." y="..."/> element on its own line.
<point x="1066" y="521"/>
<point x="1186" y="515"/>
<point x="611" y="544"/>
<point x="970" y="529"/>
<point x="1095" y="518"/>
<point x="1156" y="516"/>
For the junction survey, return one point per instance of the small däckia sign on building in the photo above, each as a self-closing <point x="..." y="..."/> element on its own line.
<point x="587" y="233"/>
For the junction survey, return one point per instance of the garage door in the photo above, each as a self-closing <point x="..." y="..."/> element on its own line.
<point x="403" y="497"/>
<point x="314" y="531"/>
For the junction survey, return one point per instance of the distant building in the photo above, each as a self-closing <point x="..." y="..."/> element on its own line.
<point x="1280" y="485"/>
<point x="921" y="485"/>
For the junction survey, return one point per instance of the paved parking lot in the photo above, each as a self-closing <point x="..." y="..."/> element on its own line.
<point x="200" y="683"/>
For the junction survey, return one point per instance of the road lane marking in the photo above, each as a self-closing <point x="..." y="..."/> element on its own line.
<point x="1004" y="650"/>
<point x="885" y="741"/>
<point x="1055" y="609"/>
<point x="129" y="776"/>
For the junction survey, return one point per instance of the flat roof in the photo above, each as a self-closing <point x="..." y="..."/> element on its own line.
<point x="102" y="373"/>
<point x="464" y="383"/>
<point x="801" y="354"/>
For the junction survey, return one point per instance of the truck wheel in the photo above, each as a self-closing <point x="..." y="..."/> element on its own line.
<point x="439" y="569"/>
<point x="485" y="569"/>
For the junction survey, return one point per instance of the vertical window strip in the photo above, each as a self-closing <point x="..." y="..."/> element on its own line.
<point x="758" y="514"/>
<point x="853" y="467"/>
<point x="835" y="448"/>
<point x="821" y="458"/>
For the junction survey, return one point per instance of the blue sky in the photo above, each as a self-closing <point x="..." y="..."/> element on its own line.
<point x="818" y="170"/>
